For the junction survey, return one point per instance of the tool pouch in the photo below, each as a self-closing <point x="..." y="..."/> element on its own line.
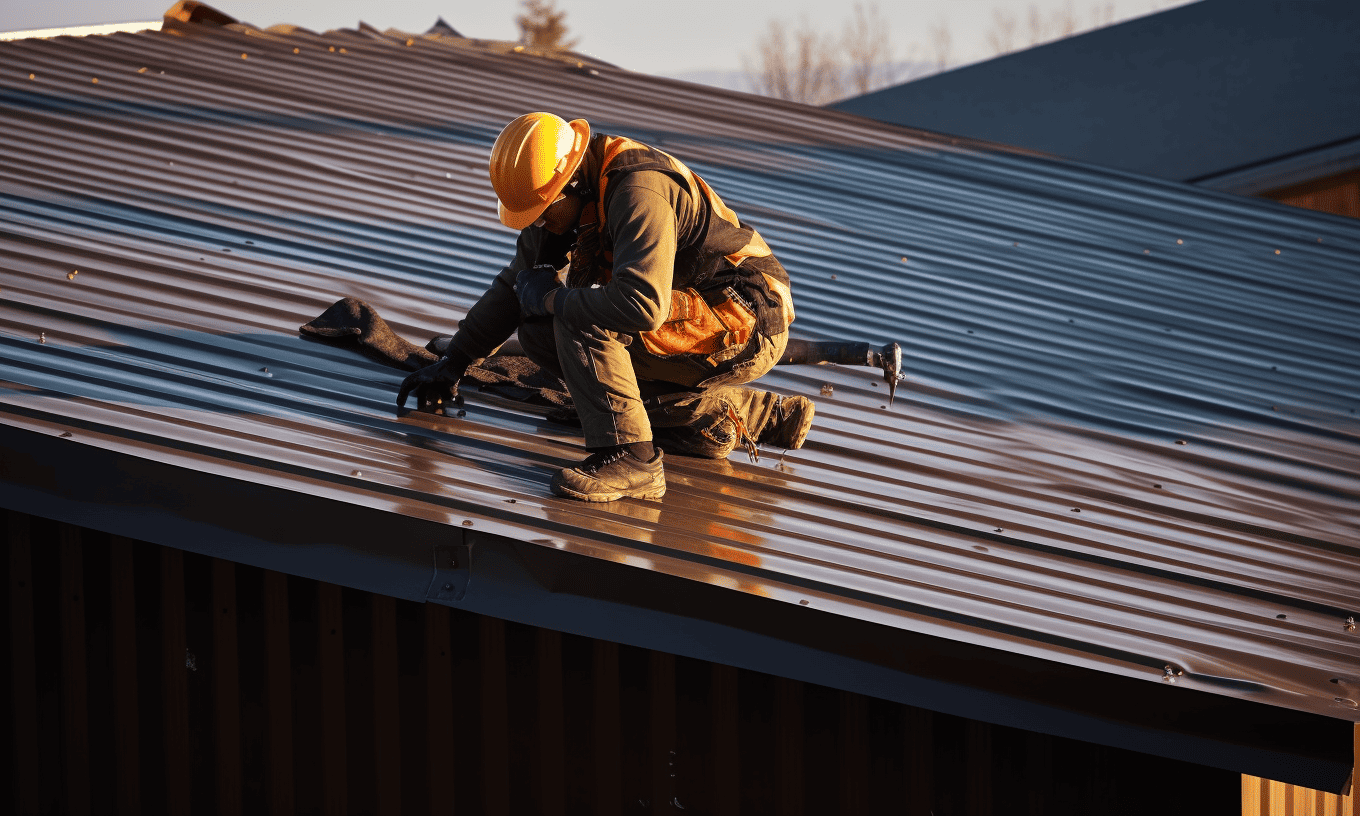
<point x="717" y="331"/>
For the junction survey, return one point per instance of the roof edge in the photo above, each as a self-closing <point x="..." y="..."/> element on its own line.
<point x="421" y="560"/>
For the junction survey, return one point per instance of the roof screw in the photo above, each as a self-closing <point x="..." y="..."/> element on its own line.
<point x="1170" y="673"/>
<point x="95" y="80"/>
<point x="447" y="587"/>
<point x="358" y="473"/>
<point x="827" y="389"/>
<point x="467" y="522"/>
<point x="297" y="50"/>
<point x="410" y="42"/>
<point x="42" y="337"/>
<point x="245" y="56"/>
<point x="72" y="274"/>
<point x="1350" y="624"/>
<point x="65" y="435"/>
<point x="35" y="76"/>
<point x="1179" y="241"/>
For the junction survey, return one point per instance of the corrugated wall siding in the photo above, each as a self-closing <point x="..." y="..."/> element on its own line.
<point x="1266" y="797"/>
<point x="144" y="679"/>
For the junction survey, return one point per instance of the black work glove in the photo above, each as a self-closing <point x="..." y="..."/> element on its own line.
<point x="533" y="285"/>
<point x="436" y="386"/>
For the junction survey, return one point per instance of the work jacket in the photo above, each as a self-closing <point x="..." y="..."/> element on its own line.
<point x="656" y="253"/>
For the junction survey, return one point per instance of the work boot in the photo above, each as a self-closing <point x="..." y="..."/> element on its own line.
<point x="789" y="423"/>
<point x="611" y="475"/>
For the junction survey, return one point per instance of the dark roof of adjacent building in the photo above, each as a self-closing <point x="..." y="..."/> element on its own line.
<point x="1243" y="95"/>
<point x="1116" y="497"/>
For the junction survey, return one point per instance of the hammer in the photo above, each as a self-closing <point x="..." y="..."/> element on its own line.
<point x="816" y="352"/>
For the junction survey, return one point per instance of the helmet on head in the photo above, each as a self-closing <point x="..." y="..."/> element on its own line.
<point x="532" y="161"/>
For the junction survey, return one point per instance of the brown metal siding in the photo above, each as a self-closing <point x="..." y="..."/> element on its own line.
<point x="147" y="680"/>
<point x="1339" y="194"/>
<point x="1265" y="797"/>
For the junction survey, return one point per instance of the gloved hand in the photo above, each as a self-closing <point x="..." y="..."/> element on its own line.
<point x="436" y="386"/>
<point x="533" y="285"/>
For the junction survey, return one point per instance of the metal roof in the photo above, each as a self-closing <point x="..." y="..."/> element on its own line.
<point x="1240" y="95"/>
<point x="1127" y="443"/>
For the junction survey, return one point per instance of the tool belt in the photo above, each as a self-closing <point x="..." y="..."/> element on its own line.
<point x="717" y="328"/>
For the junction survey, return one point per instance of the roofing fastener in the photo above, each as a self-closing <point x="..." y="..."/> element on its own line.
<point x="141" y="70"/>
<point x="1277" y="252"/>
<point x="65" y="435"/>
<point x="95" y="80"/>
<point x="245" y="56"/>
<point x="35" y="76"/>
<point x="1350" y="624"/>
<point x="827" y="389"/>
<point x="72" y="274"/>
<point x="410" y="41"/>
<point x="297" y="50"/>
<point x="1170" y="673"/>
<point x="42" y="337"/>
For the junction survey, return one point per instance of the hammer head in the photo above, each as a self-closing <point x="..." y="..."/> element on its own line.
<point x="891" y="358"/>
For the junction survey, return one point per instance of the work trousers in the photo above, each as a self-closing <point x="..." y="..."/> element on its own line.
<point x="624" y="394"/>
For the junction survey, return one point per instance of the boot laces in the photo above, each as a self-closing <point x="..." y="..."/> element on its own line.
<point x="598" y="461"/>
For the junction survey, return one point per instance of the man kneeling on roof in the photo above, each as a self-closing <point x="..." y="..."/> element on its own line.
<point x="670" y="305"/>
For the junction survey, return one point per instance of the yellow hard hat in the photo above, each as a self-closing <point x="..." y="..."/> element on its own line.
<point x="533" y="159"/>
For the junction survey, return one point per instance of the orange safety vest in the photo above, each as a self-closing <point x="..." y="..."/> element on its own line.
<point x="724" y="275"/>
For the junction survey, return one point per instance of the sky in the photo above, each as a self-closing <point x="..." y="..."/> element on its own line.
<point x="671" y="38"/>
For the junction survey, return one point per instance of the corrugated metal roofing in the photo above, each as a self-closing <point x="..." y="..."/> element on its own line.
<point x="1127" y="441"/>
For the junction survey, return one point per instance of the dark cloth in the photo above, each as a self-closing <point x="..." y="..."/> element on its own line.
<point x="352" y="323"/>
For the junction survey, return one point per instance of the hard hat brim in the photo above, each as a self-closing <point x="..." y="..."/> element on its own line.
<point x="519" y="219"/>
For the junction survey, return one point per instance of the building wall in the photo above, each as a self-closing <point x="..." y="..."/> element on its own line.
<point x="1262" y="797"/>
<point x="1338" y="194"/>
<point x="143" y="679"/>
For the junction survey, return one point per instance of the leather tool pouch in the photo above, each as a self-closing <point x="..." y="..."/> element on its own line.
<point x="717" y="331"/>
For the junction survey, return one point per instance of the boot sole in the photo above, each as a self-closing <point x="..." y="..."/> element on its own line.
<point x="563" y="490"/>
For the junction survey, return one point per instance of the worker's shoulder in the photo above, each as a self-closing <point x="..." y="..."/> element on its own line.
<point x="648" y="187"/>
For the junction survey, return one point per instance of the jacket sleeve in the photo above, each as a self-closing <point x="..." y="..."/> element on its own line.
<point x="642" y="219"/>
<point x="495" y="315"/>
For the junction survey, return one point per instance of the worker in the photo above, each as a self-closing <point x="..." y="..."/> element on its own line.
<point x="670" y="305"/>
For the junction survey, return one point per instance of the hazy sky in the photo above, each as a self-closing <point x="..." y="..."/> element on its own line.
<point x="651" y="36"/>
